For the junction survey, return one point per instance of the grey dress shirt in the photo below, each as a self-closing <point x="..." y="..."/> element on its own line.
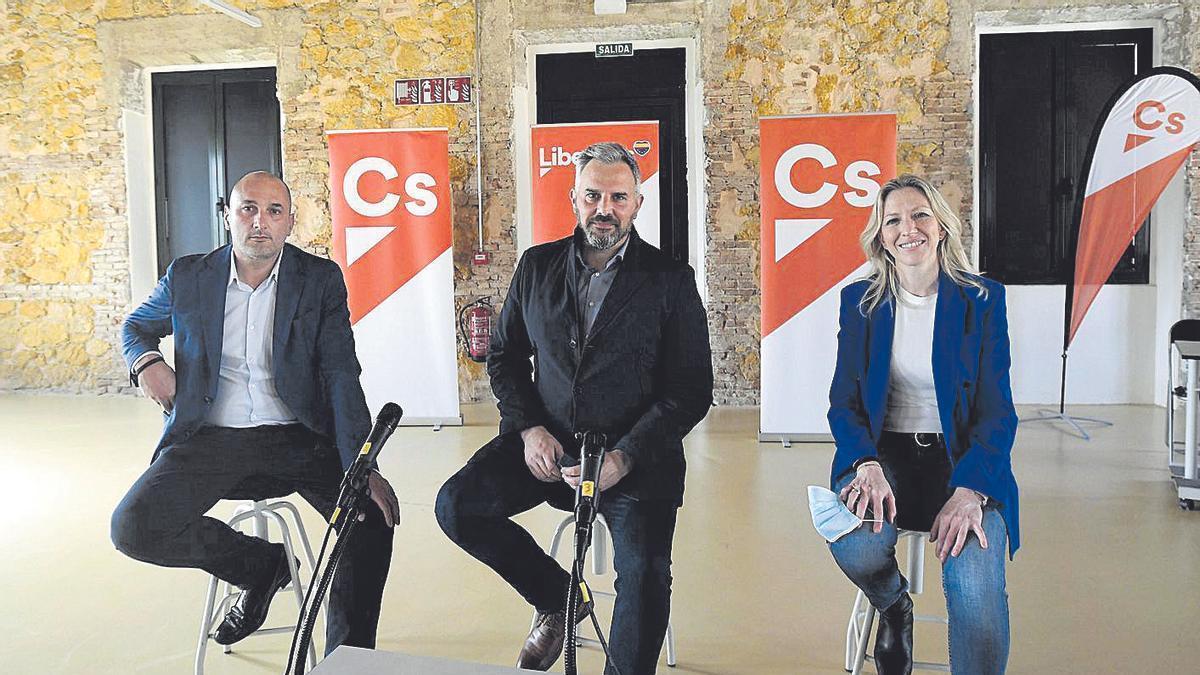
<point x="594" y="286"/>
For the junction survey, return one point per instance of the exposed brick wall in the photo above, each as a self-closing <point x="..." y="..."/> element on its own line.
<point x="68" y="69"/>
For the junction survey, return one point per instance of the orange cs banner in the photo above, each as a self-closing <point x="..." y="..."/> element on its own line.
<point x="389" y="192"/>
<point x="819" y="178"/>
<point x="554" y="147"/>
<point x="820" y="175"/>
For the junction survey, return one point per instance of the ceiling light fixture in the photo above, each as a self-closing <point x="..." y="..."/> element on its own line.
<point x="230" y="10"/>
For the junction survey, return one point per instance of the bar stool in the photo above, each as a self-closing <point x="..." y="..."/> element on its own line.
<point x="259" y="514"/>
<point x="598" y="551"/>
<point x="862" y="617"/>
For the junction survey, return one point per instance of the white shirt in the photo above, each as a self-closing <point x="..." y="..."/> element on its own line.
<point x="912" y="400"/>
<point x="246" y="395"/>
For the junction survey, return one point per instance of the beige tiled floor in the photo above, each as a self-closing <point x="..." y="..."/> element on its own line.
<point x="1106" y="581"/>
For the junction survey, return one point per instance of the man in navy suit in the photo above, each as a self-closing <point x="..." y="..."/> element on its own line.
<point x="264" y="400"/>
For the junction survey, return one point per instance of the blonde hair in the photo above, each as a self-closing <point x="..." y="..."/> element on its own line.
<point x="952" y="257"/>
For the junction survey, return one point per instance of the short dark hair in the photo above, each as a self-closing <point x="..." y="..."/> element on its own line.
<point x="608" y="152"/>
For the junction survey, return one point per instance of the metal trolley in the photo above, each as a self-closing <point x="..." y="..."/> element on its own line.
<point x="1183" y="346"/>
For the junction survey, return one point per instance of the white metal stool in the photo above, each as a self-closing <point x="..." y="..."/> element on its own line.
<point x="259" y="513"/>
<point x="862" y="617"/>
<point x="599" y="554"/>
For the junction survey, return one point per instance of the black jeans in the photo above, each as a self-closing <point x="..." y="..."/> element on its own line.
<point x="474" y="509"/>
<point x="918" y="467"/>
<point x="161" y="519"/>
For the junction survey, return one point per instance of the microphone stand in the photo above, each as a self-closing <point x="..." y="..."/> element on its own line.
<point x="587" y="505"/>
<point x="351" y="499"/>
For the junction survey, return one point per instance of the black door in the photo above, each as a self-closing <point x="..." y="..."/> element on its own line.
<point x="650" y="85"/>
<point x="1041" y="95"/>
<point x="210" y="129"/>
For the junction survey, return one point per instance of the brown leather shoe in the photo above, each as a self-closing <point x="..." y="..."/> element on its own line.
<point x="545" y="642"/>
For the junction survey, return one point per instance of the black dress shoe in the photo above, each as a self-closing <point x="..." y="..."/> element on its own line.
<point x="894" y="641"/>
<point x="545" y="641"/>
<point x="250" y="609"/>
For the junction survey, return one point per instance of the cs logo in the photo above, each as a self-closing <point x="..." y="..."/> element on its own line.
<point x="1151" y="115"/>
<point x="421" y="201"/>
<point x="856" y="176"/>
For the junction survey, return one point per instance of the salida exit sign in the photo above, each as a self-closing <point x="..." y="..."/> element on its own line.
<point x="614" y="49"/>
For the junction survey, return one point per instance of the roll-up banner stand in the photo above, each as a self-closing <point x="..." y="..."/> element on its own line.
<point x="554" y="147"/>
<point x="390" y="201"/>
<point x="820" y="175"/>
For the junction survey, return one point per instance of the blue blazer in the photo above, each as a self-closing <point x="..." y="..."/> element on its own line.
<point x="315" y="366"/>
<point x="971" y="379"/>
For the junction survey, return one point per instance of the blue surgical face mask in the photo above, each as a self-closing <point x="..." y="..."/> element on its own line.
<point x="829" y="515"/>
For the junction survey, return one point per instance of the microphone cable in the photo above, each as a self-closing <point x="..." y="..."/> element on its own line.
<point x="592" y="455"/>
<point x="315" y="593"/>
<point x="352" y="495"/>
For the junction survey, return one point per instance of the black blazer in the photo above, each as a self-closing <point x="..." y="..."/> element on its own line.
<point x="316" y="369"/>
<point x="643" y="376"/>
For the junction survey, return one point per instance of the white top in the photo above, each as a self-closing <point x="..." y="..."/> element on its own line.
<point x="912" y="400"/>
<point x="246" y="395"/>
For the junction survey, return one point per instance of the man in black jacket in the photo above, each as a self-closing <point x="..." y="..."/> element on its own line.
<point x="619" y="341"/>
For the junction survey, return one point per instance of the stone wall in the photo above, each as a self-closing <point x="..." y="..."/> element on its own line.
<point x="68" y="69"/>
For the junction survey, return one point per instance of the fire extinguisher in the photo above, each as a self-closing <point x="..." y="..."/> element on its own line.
<point x="475" y="325"/>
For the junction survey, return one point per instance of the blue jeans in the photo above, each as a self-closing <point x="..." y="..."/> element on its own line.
<point x="976" y="599"/>
<point x="475" y="507"/>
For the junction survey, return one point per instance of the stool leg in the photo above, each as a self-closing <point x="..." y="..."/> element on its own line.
<point x="861" y="651"/>
<point x="294" y="569"/>
<point x="304" y="541"/>
<point x="308" y="552"/>
<point x="260" y="523"/>
<point x="852" y="631"/>
<point x="670" y="644"/>
<point x="558" y="533"/>
<point x="210" y="600"/>
<point x="600" y="547"/>
<point x="915" y="563"/>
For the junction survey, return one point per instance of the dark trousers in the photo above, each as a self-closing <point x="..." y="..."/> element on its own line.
<point x="474" y="509"/>
<point x="161" y="519"/>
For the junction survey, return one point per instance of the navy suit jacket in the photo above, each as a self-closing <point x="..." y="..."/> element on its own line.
<point x="971" y="380"/>
<point x="315" y="367"/>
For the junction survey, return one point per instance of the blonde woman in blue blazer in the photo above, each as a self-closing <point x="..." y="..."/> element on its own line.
<point x="921" y="411"/>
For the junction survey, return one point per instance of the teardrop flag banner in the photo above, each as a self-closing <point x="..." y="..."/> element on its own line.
<point x="1147" y="131"/>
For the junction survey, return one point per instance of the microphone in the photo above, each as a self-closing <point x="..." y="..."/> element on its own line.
<point x="356" y="476"/>
<point x="587" y="497"/>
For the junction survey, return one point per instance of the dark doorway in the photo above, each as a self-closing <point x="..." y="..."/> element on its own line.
<point x="1041" y="94"/>
<point x="649" y="85"/>
<point x="210" y="129"/>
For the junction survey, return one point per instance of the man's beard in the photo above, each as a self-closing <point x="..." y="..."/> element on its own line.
<point x="603" y="242"/>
